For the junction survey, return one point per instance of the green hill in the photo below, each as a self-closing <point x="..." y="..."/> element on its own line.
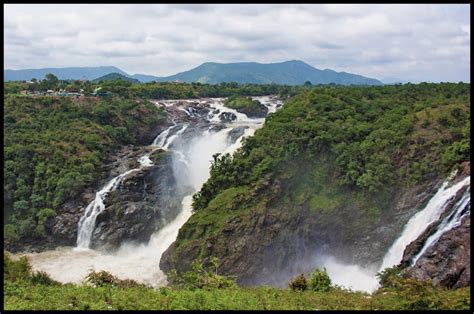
<point x="116" y="76"/>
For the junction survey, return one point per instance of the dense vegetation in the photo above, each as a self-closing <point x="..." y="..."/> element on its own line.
<point x="376" y="137"/>
<point x="202" y="289"/>
<point x="252" y="108"/>
<point x="54" y="147"/>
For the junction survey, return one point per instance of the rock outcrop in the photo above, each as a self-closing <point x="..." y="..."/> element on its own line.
<point x="227" y="116"/>
<point x="141" y="204"/>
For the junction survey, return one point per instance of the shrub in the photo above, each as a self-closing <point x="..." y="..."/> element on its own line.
<point x="101" y="278"/>
<point x="319" y="280"/>
<point x="298" y="283"/>
<point x="10" y="233"/>
<point x="104" y="278"/>
<point x="201" y="277"/>
<point x="44" y="214"/>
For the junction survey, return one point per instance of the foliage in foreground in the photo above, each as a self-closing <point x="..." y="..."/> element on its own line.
<point x="102" y="292"/>
<point x="21" y="271"/>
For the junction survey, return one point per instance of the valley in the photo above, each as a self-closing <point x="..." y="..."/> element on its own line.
<point x="340" y="190"/>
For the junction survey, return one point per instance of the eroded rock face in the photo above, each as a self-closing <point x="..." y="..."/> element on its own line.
<point x="448" y="261"/>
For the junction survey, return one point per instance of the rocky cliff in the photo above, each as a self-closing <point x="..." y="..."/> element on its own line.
<point x="143" y="203"/>
<point x="447" y="261"/>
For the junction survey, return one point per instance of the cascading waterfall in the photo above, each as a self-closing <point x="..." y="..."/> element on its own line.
<point x="360" y="278"/>
<point x="192" y="151"/>
<point x="170" y="140"/>
<point x="161" y="138"/>
<point x="418" y="223"/>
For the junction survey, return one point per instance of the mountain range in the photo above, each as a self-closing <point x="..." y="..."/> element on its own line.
<point x="293" y="72"/>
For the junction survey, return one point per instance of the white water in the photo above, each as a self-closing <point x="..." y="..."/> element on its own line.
<point x="141" y="262"/>
<point x="350" y="276"/>
<point x="417" y="224"/>
<point x="162" y="137"/>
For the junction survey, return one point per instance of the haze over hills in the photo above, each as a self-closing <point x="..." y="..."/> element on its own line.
<point x="289" y="72"/>
<point x="74" y="73"/>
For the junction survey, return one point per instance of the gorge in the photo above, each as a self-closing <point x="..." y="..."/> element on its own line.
<point x="169" y="171"/>
<point x="264" y="231"/>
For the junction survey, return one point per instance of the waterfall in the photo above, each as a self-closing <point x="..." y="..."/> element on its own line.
<point x="192" y="153"/>
<point x="170" y="140"/>
<point x="87" y="222"/>
<point x="161" y="138"/>
<point x="460" y="210"/>
<point x="417" y="224"/>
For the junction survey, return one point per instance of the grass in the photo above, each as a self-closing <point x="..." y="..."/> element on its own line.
<point x="21" y="295"/>
<point x="204" y="289"/>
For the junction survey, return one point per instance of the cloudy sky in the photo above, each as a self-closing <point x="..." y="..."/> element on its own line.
<point x="410" y="42"/>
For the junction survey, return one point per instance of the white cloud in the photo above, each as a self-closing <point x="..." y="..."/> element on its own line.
<point x="414" y="42"/>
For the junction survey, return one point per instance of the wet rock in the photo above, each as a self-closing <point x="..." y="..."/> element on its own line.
<point x="217" y="127"/>
<point x="138" y="207"/>
<point x="227" y="117"/>
<point x="236" y="133"/>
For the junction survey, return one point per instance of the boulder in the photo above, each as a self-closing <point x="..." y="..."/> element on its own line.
<point x="227" y="116"/>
